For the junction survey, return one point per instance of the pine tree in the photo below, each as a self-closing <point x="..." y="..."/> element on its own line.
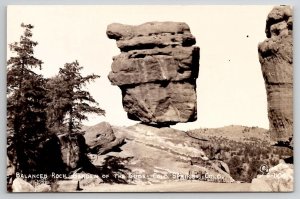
<point x="26" y="103"/>
<point x="57" y="105"/>
<point x="69" y="102"/>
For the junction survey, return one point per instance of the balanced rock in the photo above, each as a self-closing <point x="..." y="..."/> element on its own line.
<point x="156" y="71"/>
<point x="276" y="58"/>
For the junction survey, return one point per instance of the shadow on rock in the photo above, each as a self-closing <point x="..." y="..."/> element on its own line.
<point x="113" y="169"/>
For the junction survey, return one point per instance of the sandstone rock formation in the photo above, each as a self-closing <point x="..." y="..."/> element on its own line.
<point x="276" y="58"/>
<point x="278" y="179"/>
<point x="73" y="149"/>
<point x="156" y="71"/>
<point x="101" y="138"/>
<point x="161" y="155"/>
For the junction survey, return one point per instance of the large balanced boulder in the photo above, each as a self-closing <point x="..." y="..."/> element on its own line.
<point x="156" y="71"/>
<point x="276" y="58"/>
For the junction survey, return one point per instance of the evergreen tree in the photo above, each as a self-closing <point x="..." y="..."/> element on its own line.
<point x="26" y="103"/>
<point x="69" y="102"/>
<point x="57" y="104"/>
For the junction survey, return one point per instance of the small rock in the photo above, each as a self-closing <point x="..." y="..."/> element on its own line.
<point x="20" y="185"/>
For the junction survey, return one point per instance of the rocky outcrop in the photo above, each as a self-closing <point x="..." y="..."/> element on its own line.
<point x="73" y="149"/>
<point x="276" y="58"/>
<point x="45" y="158"/>
<point x="278" y="179"/>
<point x="20" y="185"/>
<point x="101" y="138"/>
<point x="161" y="155"/>
<point x="156" y="71"/>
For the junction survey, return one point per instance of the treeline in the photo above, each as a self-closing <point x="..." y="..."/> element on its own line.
<point x="38" y="107"/>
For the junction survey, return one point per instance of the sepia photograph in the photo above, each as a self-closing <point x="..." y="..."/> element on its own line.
<point x="149" y="98"/>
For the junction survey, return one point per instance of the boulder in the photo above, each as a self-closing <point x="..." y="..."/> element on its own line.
<point x="279" y="179"/>
<point x="101" y="138"/>
<point x="276" y="58"/>
<point x="156" y="71"/>
<point x="20" y="185"/>
<point x="73" y="149"/>
<point x="98" y="135"/>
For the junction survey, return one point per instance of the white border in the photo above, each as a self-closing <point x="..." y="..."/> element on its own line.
<point x="4" y="194"/>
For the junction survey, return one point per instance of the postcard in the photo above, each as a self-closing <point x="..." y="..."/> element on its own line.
<point x="150" y="98"/>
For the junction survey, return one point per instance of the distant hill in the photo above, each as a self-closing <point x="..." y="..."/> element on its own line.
<point x="232" y="132"/>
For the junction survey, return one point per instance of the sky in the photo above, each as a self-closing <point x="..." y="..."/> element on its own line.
<point x="230" y="86"/>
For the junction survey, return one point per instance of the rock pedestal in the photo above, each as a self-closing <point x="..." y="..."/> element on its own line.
<point x="156" y="71"/>
<point x="276" y="58"/>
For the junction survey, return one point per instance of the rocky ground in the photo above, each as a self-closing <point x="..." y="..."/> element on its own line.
<point x="151" y="159"/>
<point x="144" y="158"/>
<point x="161" y="159"/>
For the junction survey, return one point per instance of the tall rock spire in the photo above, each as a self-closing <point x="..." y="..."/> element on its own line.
<point x="276" y="58"/>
